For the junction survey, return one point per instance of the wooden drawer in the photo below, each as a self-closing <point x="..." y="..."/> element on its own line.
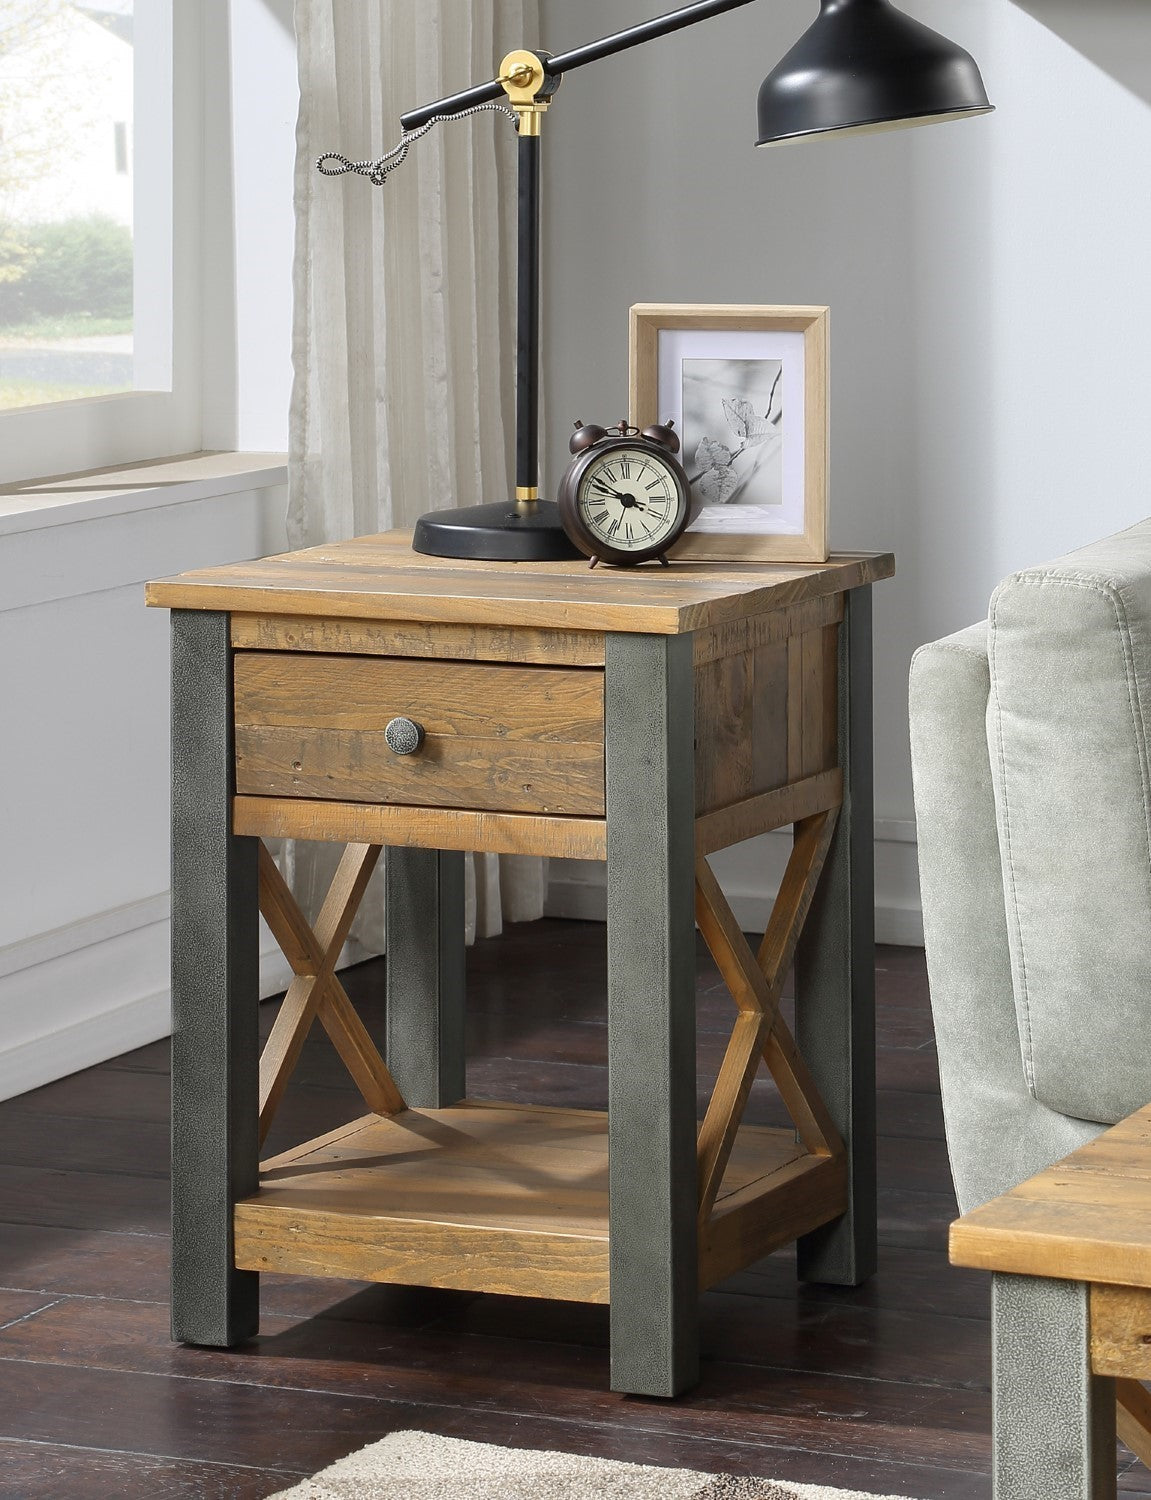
<point x="497" y="737"/>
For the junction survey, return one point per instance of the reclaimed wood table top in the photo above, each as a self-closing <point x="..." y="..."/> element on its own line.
<point x="1087" y="1218"/>
<point x="381" y="578"/>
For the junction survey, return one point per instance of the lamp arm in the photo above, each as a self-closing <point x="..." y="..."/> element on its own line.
<point x="578" y="57"/>
<point x="530" y="96"/>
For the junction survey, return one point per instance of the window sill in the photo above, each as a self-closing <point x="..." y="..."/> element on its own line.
<point x="36" y="504"/>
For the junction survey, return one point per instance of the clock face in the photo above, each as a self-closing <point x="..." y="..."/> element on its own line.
<point x="630" y="500"/>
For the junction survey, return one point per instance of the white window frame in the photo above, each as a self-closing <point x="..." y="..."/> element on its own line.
<point x="170" y="275"/>
<point x="226" y="261"/>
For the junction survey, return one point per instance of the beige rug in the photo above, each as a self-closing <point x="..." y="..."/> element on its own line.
<point x="421" y="1466"/>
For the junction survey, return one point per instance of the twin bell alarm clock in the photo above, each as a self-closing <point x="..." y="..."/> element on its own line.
<point x="625" y="497"/>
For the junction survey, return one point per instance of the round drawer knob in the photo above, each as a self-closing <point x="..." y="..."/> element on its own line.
<point x="404" y="736"/>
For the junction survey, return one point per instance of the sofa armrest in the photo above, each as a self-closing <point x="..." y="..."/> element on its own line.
<point x="997" y="1133"/>
<point x="1069" y="721"/>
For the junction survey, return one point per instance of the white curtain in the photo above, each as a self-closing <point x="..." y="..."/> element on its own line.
<point x="404" y="336"/>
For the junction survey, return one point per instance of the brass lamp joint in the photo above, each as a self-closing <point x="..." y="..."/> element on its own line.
<point x="524" y="80"/>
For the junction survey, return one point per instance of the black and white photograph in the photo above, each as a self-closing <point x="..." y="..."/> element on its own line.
<point x="733" y="430"/>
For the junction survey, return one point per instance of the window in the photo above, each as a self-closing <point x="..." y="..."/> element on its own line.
<point x="67" y="210"/>
<point x="194" y="157"/>
<point x="92" y="121"/>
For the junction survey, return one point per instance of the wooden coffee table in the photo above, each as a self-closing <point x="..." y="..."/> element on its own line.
<point x="1071" y="1253"/>
<point x="362" y="694"/>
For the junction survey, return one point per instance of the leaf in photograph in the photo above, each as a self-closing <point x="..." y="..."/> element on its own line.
<point x="711" y="455"/>
<point x="750" y="428"/>
<point x="717" y="486"/>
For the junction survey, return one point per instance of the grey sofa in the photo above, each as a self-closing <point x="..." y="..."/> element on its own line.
<point x="1029" y="737"/>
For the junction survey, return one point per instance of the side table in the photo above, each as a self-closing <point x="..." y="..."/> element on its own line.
<point x="1070" y="1250"/>
<point x="648" y="718"/>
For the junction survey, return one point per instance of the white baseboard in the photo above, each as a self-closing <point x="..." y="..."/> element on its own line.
<point x="901" y="926"/>
<point x="750" y="875"/>
<point x="92" y="990"/>
<point x="83" y="1042"/>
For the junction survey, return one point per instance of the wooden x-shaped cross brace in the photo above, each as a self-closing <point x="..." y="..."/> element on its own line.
<point x="1133" y="1416"/>
<point x="756" y="984"/>
<point x="316" y="991"/>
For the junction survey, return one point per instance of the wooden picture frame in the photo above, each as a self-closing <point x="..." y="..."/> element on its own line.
<point x="727" y="374"/>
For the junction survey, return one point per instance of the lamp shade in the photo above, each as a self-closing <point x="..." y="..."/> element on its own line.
<point x="865" y="66"/>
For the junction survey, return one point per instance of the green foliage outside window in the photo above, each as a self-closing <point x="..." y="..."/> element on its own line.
<point x="79" y="266"/>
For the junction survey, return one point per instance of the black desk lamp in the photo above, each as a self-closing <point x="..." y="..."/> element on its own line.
<point x="862" y="66"/>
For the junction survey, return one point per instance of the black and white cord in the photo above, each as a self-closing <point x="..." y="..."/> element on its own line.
<point x="379" y="170"/>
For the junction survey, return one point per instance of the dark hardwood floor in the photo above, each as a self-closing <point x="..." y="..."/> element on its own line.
<point x="884" y="1388"/>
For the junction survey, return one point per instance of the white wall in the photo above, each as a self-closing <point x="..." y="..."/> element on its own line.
<point x="84" y="814"/>
<point x="987" y="279"/>
<point x="252" y="98"/>
<point x="1111" y="33"/>
<point x="266" y="99"/>
<point x="249" y="161"/>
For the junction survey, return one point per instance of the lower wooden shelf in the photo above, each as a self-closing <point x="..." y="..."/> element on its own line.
<point x="496" y="1197"/>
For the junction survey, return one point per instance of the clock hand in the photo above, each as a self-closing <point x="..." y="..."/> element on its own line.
<point x="628" y="501"/>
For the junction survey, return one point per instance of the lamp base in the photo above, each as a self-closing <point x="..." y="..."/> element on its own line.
<point x="503" y="532"/>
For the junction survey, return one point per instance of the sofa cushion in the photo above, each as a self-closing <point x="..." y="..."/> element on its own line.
<point x="1069" y="647"/>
